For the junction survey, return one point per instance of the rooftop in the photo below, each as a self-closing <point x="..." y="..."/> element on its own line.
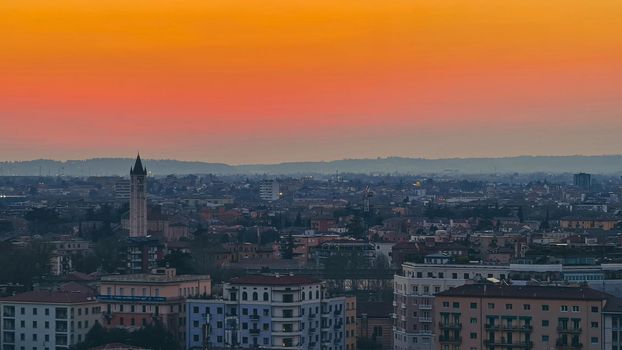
<point x="525" y="292"/>
<point x="52" y="297"/>
<point x="274" y="280"/>
<point x="153" y="278"/>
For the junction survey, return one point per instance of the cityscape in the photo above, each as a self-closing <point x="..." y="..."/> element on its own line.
<point x="343" y="261"/>
<point x="310" y="175"/>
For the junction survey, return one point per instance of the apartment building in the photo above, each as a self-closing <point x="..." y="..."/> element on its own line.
<point x="271" y="311"/>
<point x="414" y="291"/>
<point x="500" y="317"/>
<point x="132" y="301"/>
<point x="44" y="320"/>
<point x="612" y="324"/>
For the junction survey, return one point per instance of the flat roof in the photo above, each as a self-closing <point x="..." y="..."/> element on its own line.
<point x="153" y="278"/>
<point x="273" y="280"/>
<point x="525" y="292"/>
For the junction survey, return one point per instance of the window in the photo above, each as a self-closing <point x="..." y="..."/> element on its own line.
<point x="545" y="307"/>
<point x="473" y="335"/>
<point x="594" y="324"/>
<point x="255" y="296"/>
<point x="473" y="305"/>
<point x="564" y="308"/>
<point x="473" y="320"/>
<point x="545" y="338"/>
<point x="508" y="306"/>
<point x="454" y="276"/>
<point x="456" y="305"/>
<point x="526" y="307"/>
<point x="575" y="308"/>
<point x="445" y="304"/>
<point x="491" y="306"/>
<point x="545" y="323"/>
<point x="244" y="296"/>
<point x="594" y="340"/>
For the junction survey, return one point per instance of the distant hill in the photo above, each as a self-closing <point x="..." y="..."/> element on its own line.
<point x="525" y="164"/>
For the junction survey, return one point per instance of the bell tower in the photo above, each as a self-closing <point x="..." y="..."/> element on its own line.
<point x="138" y="199"/>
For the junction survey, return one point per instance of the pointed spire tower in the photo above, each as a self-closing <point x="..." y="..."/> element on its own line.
<point x="138" y="199"/>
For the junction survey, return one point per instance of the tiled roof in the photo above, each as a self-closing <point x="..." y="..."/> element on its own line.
<point x="52" y="297"/>
<point x="525" y="292"/>
<point x="274" y="280"/>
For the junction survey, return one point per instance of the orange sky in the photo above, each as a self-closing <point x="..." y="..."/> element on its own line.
<point x="242" y="81"/>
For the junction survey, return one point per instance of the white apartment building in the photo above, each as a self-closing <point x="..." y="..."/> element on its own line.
<point x="414" y="291"/>
<point x="269" y="190"/>
<point x="273" y="312"/>
<point x="48" y="320"/>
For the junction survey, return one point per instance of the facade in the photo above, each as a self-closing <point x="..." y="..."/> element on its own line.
<point x="138" y="199"/>
<point x="269" y="190"/>
<point x="142" y="254"/>
<point x="48" y="320"/>
<point x="374" y="323"/>
<point x="499" y="317"/>
<point x="271" y="312"/>
<point x="135" y="300"/>
<point x="579" y="223"/>
<point x="122" y="190"/>
<point x="612" y="324"/>
<point x="414" y="292"/>
<point x="351" y="330"/>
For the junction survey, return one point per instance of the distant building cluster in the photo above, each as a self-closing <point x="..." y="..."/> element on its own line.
<point x="343" y="262"/>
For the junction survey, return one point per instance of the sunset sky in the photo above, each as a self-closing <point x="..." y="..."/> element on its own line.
<point x="249" y="81"/>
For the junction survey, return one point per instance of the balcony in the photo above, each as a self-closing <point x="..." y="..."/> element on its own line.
<point x="425" y="319"/>
<point x="506" y="344"/>
<point x="569" y="330"/>
<point x="509" y="327"/>
<point x="560" y="345"/>
<point x="442" y="325"/>
<point x="254" y="317"/>
<point x="449" y="340"/>
<point x="425" y="307"/>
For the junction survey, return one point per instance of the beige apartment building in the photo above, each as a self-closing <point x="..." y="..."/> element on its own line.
<point x="135" y="300"/>
<point x="500" y="317"/>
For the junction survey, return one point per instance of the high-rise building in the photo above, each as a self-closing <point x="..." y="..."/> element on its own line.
<point x="122" y="190"/>
<point x="499" y="317"/>
<point x="583" y="181"/>
<point x="272" y="312"/>
<point x="138" y="199"/>
<point x="269" y="190"/>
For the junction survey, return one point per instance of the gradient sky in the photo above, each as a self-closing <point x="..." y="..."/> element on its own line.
<point x="247" y="81"/>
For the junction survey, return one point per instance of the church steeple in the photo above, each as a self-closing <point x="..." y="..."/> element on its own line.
<point x="138" y="168"/>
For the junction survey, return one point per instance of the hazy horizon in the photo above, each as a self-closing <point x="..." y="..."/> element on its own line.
<point x="414" y="157"/>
